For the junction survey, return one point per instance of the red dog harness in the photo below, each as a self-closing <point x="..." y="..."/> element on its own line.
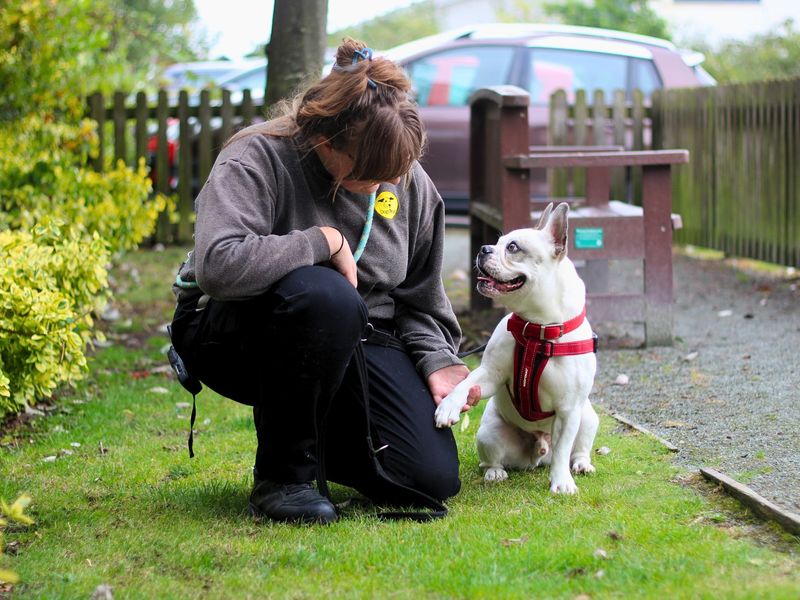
<point x="535" y="346"/>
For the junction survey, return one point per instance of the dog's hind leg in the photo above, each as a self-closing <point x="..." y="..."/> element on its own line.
<point x="582" y="452"/>
<point x="498" y="443"/>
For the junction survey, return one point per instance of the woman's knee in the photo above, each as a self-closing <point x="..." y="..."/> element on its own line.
<point x="437" y="476"/>
<point x="319" y="300"/>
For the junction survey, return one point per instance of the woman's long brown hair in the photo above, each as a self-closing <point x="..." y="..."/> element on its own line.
<point x="362" y="109"/>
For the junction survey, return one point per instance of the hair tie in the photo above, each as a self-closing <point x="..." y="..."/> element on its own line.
<point x="364" y="54"/>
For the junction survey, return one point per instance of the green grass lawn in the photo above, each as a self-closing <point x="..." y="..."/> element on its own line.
<point x="128" y="508"/>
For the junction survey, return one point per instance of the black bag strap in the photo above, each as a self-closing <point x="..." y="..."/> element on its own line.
<point x="189" y="382"/>
<point x="436" y="510"/>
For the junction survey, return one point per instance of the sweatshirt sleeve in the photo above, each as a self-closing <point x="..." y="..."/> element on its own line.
<point x="423" y="313"/>
<point x="237" y="255"/>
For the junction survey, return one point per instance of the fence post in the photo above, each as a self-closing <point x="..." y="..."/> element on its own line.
<point x="97" y="111"/>
<point x="163" y="233"/>
<point x="499" y="197"/>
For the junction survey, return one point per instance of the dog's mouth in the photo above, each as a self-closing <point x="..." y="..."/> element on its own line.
<point x="488" y="284"/>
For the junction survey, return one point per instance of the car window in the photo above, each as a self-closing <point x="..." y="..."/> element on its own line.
<point x="645" y="77"/>
<point x="448" y="78"/>
<point x="570" y="70"/>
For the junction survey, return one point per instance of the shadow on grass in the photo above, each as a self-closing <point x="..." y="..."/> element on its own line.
<point x="202" y="501"/>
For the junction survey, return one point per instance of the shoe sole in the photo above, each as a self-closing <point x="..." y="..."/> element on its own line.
<point x="256" y="513"/>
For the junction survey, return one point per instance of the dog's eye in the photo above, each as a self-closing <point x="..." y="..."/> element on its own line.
<point x="512" y="248"/>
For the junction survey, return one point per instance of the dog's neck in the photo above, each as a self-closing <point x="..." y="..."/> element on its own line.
<point x="555" y="300"/>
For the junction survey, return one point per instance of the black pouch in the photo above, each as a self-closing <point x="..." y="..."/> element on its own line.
<point x="189" y="382"/>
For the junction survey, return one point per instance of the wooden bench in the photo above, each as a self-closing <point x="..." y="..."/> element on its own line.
<point x="601" y="229"/>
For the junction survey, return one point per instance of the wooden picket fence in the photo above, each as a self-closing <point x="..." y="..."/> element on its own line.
<point x="201" y="127"/>
<point x="622" y="123"/>
<point x="739" y="193"/>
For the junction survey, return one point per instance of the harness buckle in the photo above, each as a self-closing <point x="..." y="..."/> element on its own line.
<point x="545" y="348"/>
<point x="543" y="331"/>
<point x="595" y="341"/>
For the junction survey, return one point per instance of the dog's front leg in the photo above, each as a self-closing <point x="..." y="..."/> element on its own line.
<point x="449" y="410"/>
<point x="565" y="428"/>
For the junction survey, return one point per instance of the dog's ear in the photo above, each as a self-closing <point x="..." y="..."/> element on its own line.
<point x="545" y="216"/>
<point x="558" y="225"/>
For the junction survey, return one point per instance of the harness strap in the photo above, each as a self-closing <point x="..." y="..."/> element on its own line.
<point x="534" y="348"/>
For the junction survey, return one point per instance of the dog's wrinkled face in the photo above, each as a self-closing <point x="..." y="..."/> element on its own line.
<point x="507" y="266"/>
<point x="523" y="258"/>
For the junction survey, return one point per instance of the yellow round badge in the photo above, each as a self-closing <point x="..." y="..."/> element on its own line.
<point x="386" y="205"/>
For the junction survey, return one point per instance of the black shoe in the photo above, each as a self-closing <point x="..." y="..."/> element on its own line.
<point x="298" y="502"/>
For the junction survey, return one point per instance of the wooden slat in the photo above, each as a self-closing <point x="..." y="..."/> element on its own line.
<point x="758" y="504"/>
<point x="140" y="127"/>
<point x="204" y="157"/>
<point x="98" y="113"/>
<point x="120" y="127"/>
<point x="618" y="175"/>
<point x="163" y="229"/>
<point x="185" y="135"/>
<point x="597" y="159"/>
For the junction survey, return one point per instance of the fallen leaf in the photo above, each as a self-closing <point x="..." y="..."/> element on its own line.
<point x="49" y="459"/>
<point x="614" y="535"/>
<point x="464" y="423"/>
<point x="600" y="553"/>
<point x="182" y="405"/>
<point x="158" y="390"/>
<point x="690" y="357"/>
<point x="512" y="541"/>
<point x="603" y="450"/>
<point x="677" y="424"/>
<point x="140" y="374"/>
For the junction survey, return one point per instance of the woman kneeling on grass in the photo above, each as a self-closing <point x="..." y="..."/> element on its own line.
<point x="314" y="294"/>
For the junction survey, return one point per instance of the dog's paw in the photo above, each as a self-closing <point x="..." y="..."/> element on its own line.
<point x="495" y="474"/>
<point x="446" y="415"/>
<point x="582" y="464"/>
<point x="563" y="485"/>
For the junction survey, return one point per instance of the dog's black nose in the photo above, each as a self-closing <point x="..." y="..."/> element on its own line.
<point x="487" y="249"/>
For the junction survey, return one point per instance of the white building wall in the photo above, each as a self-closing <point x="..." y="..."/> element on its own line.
<point x="714" y="21"/>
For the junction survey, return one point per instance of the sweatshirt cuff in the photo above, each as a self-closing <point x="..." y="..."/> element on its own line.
<point x="437" y="360"/>
<point x="319" y="244"/>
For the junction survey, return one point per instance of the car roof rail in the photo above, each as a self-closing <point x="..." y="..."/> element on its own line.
<point x="491" y="30"/>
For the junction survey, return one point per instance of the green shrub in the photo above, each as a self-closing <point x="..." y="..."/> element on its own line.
<point x="53" y="280"/>
<point x="42" y="174"/>
<point x="15" y="512"/>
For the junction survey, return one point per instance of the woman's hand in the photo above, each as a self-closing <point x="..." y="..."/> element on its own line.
<point x="341" y="255"/>
<point x="442" y="382"/>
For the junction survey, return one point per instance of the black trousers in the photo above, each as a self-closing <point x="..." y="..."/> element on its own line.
<point x="290" y="355"/>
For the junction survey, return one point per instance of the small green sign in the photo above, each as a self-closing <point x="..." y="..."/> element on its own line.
<point x="588" y="238"/>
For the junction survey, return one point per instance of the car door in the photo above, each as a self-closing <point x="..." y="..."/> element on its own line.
<point x="442" y="84"/>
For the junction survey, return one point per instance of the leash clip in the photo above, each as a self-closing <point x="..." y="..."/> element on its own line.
<point x="369" y="329"/>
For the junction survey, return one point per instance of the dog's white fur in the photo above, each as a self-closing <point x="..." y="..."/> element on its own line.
<point x="552" y="293"/>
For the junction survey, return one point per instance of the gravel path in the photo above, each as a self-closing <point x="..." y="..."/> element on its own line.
<point x="727" y="393"/>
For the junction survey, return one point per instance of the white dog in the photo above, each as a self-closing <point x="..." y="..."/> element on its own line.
<point x="532" y="396"/>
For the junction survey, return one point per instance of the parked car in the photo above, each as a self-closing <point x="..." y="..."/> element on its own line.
<point x="194" y="76"/>
<point x="446" y="68"/>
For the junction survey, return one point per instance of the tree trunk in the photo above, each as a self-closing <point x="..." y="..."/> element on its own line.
<point x="296" y="49"/>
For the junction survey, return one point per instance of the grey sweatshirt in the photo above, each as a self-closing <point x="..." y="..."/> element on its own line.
<point x="259" y="217"/>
